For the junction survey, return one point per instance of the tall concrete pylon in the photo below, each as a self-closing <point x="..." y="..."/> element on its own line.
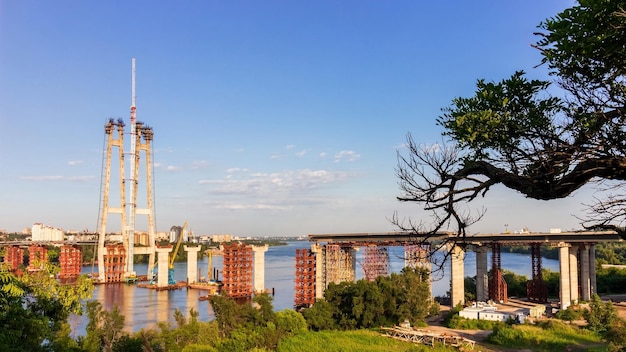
<point x="141" y="141"/>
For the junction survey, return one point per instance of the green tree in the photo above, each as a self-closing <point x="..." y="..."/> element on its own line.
<point x="104" y="328"/>
<point x="320" y="316"/>
<point x="517" y="134"/>
<point x="600" y="316"/>
<point x="35" y="306"/>
<point x="365" y="304"/>
<point x="186" y="332"/>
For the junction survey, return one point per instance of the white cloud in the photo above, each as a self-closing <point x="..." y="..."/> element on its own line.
<point x="238" y="206"/>
<point x="199" y="164"/>
<point x="172" y="168"/>
<point x="74" y="162"/>
<point x="301" y="153"/>
<point x="346" y="156"/>
<point x="288" y="182"/>
<point x="290" y="146"/>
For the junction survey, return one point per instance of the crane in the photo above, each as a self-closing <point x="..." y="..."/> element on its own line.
<point x="170" y="272"/>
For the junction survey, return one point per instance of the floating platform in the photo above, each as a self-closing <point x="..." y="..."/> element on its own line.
<point x="176" y="286"/>
<point x="212" y="287"/>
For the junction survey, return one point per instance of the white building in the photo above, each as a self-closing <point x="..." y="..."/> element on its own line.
<point x="41" y="232"/>
<point x="488" y="312"/>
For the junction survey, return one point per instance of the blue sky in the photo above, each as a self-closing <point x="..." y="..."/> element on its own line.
<point x="270" y="117"/>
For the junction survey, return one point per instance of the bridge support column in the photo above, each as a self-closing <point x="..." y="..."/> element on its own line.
<point x="259" y="267"/>
<point x="592" y="269"/>
<point x="482" y="279"/>
<point x="573" y="273"/>
<point x="192" y="263"/>
<point x="163" y="256"/>
<point x="320" y="259"/>
<point x="585" y="282"/>
<point x="457" y="275"/>
<point x="564" y="271"/>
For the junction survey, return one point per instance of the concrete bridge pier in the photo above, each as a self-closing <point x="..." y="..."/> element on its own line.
<point x="259" y="267"/>
<point x="592" y="269"/>
<point x="320" y="259"/>
<point x="587" y="271"/>
<point x="564" y="271"/>
<point x="192" y="263"/>
<point x="573" y="273"/>
<point x="457" y="275"/>
<point x="482" y="279"/>
<point x="163" y="256"/>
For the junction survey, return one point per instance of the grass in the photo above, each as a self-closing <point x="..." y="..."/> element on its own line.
<point x="350" y="341"/>
<point x="546" y="336"/>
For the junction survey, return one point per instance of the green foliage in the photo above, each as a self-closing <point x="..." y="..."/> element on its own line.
<point x="452" y="313"/>
<point x="611" y="280"/>
<point x="610" y="253"/>
<point x="383" y="302"/>
<point x="104" y="329"/>
<point x="500" y="115"/>
<point x="516" y="284"/>
<point x="290" y="322"/>
<point x="320" y="316"/>
<point x="457" y="322"/>
<point x="600" y="316"/>
<point x="552" y="280"/>
<point x="570" y="314"/>
<point x="585" y="44"/>
<point x="358" y="340"/>
<point x="470" y="288"/>
<point x="551" y="335"/>
<point x="243" y="327"/>
<point x="34" y="308"/>
<point x="186" y="332"/>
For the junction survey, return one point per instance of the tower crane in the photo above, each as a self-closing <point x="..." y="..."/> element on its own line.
<point x="170" y="272"/>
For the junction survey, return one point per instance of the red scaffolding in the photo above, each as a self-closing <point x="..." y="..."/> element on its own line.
<point x="497" y="285"/>
<point x="305" y="278"/>
<point x="237" y="270"/>
<point x="37" y="257"/>
<point x="14" y="257"/>
<point x="71" y="261"/>
<point x="114" y="263"/>
<point x="375" y="262"/>
<point x="536" y="288"/>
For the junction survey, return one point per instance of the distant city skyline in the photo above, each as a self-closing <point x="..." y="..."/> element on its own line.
<point x="270" y="118"/>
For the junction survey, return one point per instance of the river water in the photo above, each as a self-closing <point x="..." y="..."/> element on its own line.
<point x="143" y="307"/>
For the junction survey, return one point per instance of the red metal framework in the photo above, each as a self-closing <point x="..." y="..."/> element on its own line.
<point x="497" y="284"/>
<point x="114" y="263"/>
<point x="14" y="257"/>
<point x="305" y="278"/>
<point x="536" y="288"/>
<point x="71" y="261"/>
<point x="37" y="257"/>
<point x="375" y="262"/>
<point x="237" y="270"/>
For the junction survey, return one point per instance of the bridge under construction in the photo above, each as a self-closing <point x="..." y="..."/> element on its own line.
<point x="332" y="258"/>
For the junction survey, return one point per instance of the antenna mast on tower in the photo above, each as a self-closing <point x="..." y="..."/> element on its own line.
<point x="134" y="158"/>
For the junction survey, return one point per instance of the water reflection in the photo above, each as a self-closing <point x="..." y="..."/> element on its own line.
<point x="144" y="307"/>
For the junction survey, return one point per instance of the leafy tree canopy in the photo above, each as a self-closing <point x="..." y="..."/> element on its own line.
<point x="519" y="134"/>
